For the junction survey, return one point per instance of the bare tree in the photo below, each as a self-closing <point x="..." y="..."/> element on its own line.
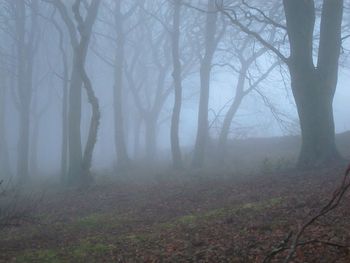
<point x="26" y="44"/>
<point x="211" y="42"/>
<point x="79" y="165"/>
<point x="175" y="120"/>
<point x="4" y="157"/>
<point x="150" y="92"/>
<point x="65" y="84"/>
<point x="120" y="17"/>
<point x="245" y="58"/>
<point x="313" y="85"/>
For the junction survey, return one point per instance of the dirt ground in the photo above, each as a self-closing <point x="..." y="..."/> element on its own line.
<point x="182" y="218"/>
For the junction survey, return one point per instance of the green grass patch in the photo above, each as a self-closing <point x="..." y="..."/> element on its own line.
<point x="41" y="255"/>
<point x="193" y="219"/>
<point x="101" y="221"/>
<point x="86" y="249"/>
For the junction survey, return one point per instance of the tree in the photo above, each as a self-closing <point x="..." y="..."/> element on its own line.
<point x="313" y="85"/>
<point x="65" y="85"/>
<point x="211" y="42"/>
<point x="122" y="155"/>
<point x="85" y="28"/>
<point x="175" y="120"/>
<point x="150" y="91"/>
<point x="79" y="164"/>
<point x="247" y="56"/>
<point x="4" y="157"/>
<point x="26" y="44"/>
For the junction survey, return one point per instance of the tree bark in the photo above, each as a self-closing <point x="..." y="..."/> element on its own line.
<point x="120" y="145"/>
<point x="151" y="137"/>
<point x="5" y="172"/>
<point x="314" y="87"/>
<point x="64" y="112"/>
<point x="74" y="121"/>
<point x="79" y="165"/>
<point x="175" y="119"/>
<point x="85" y="29"/>
<point x="64" y="145"/>
<point x="205" y="70"/>
<point x="25" y="54"/>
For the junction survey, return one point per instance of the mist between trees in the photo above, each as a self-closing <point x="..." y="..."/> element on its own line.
<point x="90" y="86"/>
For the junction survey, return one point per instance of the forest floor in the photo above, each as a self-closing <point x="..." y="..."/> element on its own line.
<point x="180" y="218"/>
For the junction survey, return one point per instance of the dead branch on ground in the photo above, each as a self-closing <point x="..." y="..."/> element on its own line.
<point x="293" y="241"/>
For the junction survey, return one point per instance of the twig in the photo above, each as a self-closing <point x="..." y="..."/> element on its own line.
<point x="331" y="205"/>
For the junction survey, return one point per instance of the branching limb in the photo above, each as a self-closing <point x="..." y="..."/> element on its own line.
<point x="331" y="205"/>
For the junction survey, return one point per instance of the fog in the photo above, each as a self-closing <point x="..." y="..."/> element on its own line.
<point x="147" y="101"/>
<point x="174" y="130"/>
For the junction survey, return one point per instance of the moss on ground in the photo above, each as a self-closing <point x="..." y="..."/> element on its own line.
<point x="40" y="255"/>
<point x="195" y="218"/>
<point x="86" y="250"/>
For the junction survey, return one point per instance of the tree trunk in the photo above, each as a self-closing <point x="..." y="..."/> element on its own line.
<point x="85" y="29"/>
<point x="175" y="119"/>
<point x="205" y="69"/>
<point x="74" y="120"/>
<point x="24" y="86"/>
<point x="23" y="145"/>
<point x="225" y="130"/>
<point x="64" y="146"/>
<point x="151" y="137"/>
<point x="202" y="128"/>
<point x="4" y="157"/>
<point x="34" y="147"/>
<point x="239" y="95"/>
<point x="314" y="87"/>
<point x="314" y="104"/>
<point x="120" y="145"/>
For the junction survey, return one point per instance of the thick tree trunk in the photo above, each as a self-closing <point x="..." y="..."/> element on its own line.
<point x="120" y="145"/>
<point x="314" y="87"/>
<point x="205" y="69"/>
<point x="175" y="119"/>
<point x="314" y="104"/>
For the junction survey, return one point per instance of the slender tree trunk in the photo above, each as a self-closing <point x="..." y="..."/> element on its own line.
<point x="120" y="145"/>
<point x="85" y="29"/>
<point x="64" y="145"/>
<point x="205" y="69"/>
<point x="4" y="157"/>
<point x="64" y="112"/>
<point x="34" y="147"/>
<point x="23" y="144"/>
<point x="137" y="131"/>
<point x="175" y="119"/>
<point x="24" y="93"/>
<point x="222" y="146"/>
<point x="74" y="120"/>
<point x="151" y="137"/>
